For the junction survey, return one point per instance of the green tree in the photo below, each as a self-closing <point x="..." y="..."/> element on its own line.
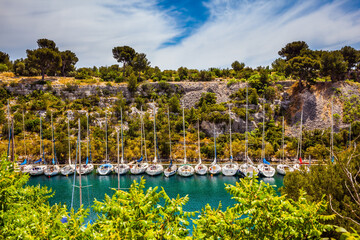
<point x="132" y="83"/>
<point x="5" y="59"/>
<point x="139" y="214"/>
<point x="333" y="65"/>
<point x="303" y="68"/>
<point x="261" y="214"/>
<point x="237" y="66"/>
<point x="124" y="54"/>
<point x="45" y="58"/>
<point x="174" y="104"/>
<point x="183" y="73"/>
<point x="68" y="62"/>
<point x="140" y="63"/>
<point x="351" y="56"/>
<point x="207" y="99"/>
<point x="333" y="182"/>
<point x="293" y="49"/>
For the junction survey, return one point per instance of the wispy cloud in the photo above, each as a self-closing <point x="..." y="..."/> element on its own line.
<point x="249" y="31"/>
<point x="89" y="28"/>
<point x="254" y="31"/>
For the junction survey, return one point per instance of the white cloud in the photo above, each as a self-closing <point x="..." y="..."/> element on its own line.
<point x="248" y="31"/>
<point x="252" y="33"/>
<point x="89" y="28"/>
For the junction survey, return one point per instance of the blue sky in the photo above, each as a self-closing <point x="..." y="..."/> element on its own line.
<point x="194" y="34"/>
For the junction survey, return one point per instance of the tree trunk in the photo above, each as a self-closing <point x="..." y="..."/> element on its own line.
<point x="42" y="73"/>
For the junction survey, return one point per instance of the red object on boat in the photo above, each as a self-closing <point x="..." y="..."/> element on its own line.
<point x="301" y="162"/>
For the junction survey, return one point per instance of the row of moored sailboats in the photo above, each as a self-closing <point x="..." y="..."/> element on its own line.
<point x="154" y="168"/>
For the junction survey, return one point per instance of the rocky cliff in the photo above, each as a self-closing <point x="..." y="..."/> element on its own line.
<point x="314" y="101"/>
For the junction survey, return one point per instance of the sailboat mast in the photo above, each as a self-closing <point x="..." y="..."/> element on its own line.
<point x="122" y="140"/>
<point x="9" y="129"/>
<point x="143" y="127"/>
<point x="246" y="126"/>
<point x="155" y="159"/>
<point x="169" y="130"/>
<point x="263" y="134"/>
<point x="12" y="142"/>
<point x="87" y="135"/>
<point x="106" y="136"/>
<point x="79" y="145"/>
<point x="198" y="127"/>
<point x="283" y="131"/>
<point x="300" y="141"/>
<point x="24" y="133"/>
<point x="141" y="132"/>
<point x="184" y="134"/>
<point x="40" y="137"/>
<point x="215" y="142"/>
<point x="69" y="139"/>
<point x="52" y="137"/>
<point x="332" y="127"/>
<point x="231" y="156"/>
<point x="118" y="156"/>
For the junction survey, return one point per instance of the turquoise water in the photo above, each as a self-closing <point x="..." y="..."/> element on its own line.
<point x="200" y="189"/>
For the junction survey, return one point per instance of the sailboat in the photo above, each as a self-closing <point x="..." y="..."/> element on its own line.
<point x="283" y="168"/>
<point x="172" y="168"/>
<point x="230" y="168"/>
<point x="121" y="168"/>
<point x="185" y="170"/>
<point x="200" y="168"/>
<point x="39" y="169"/>
<point x="140" y="167"/>
<point x="107" y="167"/>
<point x="24" y="166"/>
<point x="70" y="168"/>
<point x="265" y="169"/>
<point x="155" y="168"/>
<point x="214" y="168"/>
<point x="301" y="163"/>
<point x="87" y="167"/>
<point x="54" y="169"/>
<point x="247" y="169"/>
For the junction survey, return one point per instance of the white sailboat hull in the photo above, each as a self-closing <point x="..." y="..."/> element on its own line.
<point x="26" y="168"/>
<point x="282" y="169"/>
<point x="123" y="169"/>
<point x="201" y="169"/>
<point x="104" y="169"/>
<point x="52" y="170"/>
<point x="168" y="172"/>
<point x="230" y="169"/>
<point x="138" y="168"/>
<point x="67" y="170"/>
<point x="154" y="169"/>
<point x="215" y="169"/>
<point x="185" y="170"/>
<point x="85" y="169"/>
<point x="266" y="170"/>
<point x="248" y="170"/>
<point x="37" y="170"/>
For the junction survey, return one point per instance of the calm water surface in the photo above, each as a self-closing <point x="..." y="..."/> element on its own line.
<point x="200" y="189"/>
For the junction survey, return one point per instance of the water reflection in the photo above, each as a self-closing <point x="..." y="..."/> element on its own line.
<point x="200" y="189"/>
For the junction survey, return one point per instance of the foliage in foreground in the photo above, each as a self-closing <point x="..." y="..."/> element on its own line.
<point x="140" y="215"/>
<point x="338" y="182"/>
<point x="259" y="213"/>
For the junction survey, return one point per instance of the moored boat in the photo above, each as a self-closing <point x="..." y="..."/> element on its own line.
<point x="154" y="168"/>
<point x="230" y="168"/>
<point x="200" y="168"/>
<point x="185" y="170"/>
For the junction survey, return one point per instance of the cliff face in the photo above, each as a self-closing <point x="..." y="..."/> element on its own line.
<point x="314" y="101"/>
